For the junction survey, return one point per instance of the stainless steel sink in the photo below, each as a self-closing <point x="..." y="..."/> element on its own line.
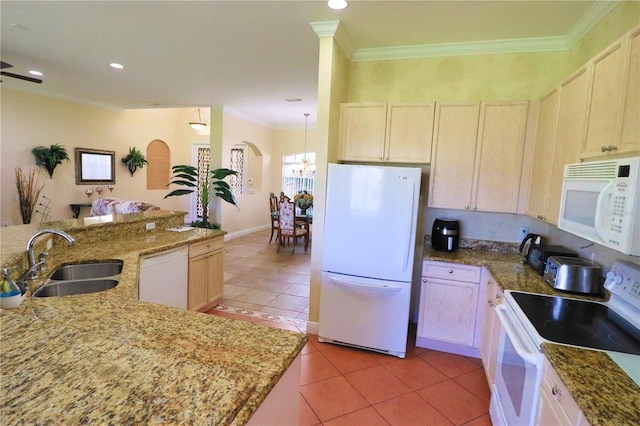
<point x="83" y="271"/>
<point x="68" y="288"/>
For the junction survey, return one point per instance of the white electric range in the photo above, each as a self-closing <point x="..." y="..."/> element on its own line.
<point x="528" y="320"/>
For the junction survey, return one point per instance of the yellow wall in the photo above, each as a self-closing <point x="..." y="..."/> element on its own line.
<point x="510" y="76"/>
<point x="29" y="120"/>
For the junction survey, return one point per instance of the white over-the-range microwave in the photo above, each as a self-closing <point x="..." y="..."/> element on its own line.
<point x="600" y="202"/>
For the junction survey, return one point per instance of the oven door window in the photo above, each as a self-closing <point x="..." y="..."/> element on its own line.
<point x="518" y="371"/>
<point x="514" y="373"/>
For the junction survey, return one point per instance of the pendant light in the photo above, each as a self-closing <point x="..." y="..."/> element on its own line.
<point x="305" y="162"/>
<point x="197" y="124"/>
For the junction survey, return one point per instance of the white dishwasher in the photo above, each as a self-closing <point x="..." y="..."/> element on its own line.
<point x="163" y="277"/>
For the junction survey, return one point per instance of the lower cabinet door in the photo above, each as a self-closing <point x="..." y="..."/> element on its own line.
<point x="198" y="282"/>
<point x="448" y="311"/>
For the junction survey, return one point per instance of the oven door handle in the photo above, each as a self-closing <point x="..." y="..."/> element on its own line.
<point x="518" y="344"/>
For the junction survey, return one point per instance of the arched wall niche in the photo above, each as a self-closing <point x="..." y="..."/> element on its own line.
<point x="159" y="167"/>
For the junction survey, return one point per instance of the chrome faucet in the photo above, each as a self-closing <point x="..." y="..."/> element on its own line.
<point x="32" y="241"/>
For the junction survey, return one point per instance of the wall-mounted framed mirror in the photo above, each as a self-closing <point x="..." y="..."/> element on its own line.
<point x="95" y="166"/>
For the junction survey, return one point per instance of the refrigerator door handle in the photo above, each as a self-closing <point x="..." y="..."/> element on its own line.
<point x="408" y="250"/>
<point x="345" y="283"/>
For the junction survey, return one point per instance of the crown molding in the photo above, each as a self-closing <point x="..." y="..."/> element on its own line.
<point x="336" y="30"/>
<point x="541" y="44"/>
<point x="594" y="15"/>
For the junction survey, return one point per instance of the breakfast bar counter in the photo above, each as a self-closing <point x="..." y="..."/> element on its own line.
<point x="108" y="358"/>
<point x="604" y="392"/>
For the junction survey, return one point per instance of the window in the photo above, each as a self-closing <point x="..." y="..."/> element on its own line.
<point x="237" y="164"/>
<point x="202" y="163"/>
<point x="298" y="173"/>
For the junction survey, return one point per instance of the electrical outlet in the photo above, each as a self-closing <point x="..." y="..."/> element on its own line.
<point x="150" y="226"/>
<point x="49" y="244"/>
<point x="522" y="232"/>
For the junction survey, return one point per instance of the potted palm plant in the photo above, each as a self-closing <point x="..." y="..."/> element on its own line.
<point x="212" y="185"/>
<point x="134" y="160"/>
<point x="49" y="158"/>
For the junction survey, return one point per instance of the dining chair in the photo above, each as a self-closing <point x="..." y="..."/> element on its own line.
<point x="273" y="214"/>
<point x="287" y="226"/>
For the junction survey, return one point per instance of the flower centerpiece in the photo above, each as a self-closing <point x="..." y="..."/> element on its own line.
<point x="303" y="200"/>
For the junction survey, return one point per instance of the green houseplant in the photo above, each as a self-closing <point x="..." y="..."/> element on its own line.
<point x="212" y="185"/>
<point x="50" y="157"/>
<point x="134" y="160"/>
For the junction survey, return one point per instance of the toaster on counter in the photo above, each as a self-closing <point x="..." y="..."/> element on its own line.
<point x="573" y="274"/>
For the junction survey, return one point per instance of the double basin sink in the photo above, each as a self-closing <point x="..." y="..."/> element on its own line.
<point x="81" y="278"/>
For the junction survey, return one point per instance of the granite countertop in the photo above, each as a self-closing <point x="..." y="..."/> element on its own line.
<point x="603" y="391"/>
<point x="106" y="357"/>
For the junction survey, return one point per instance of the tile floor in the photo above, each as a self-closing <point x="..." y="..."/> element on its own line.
<point x="346" y="386"/>
<point x="258" y="279"/>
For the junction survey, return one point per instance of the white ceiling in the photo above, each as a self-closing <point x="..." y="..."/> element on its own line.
<point x="248" y="56"/>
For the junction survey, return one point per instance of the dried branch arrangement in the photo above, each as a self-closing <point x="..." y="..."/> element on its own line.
<point x="29" y="187"/>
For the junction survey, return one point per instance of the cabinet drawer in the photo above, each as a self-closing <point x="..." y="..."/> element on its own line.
<point x="451" y="271"/>
<point x="559" y="395"/>
<point x="196" y="249"/>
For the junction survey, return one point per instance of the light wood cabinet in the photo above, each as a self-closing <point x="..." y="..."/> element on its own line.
<point x="613" y="125"/>
<point x="555" y="405"/>
<point x="206" y="269"/>
<point x="380" y="132"/>
<point x="477" y="155"/>
<point x="572" y="117"/>
<point x="543" y="155"/>
<point x="448" y="311"/>
<point x="605" y="102"/>
<point x="630" y="133"/>
<point x="490" y="327"/>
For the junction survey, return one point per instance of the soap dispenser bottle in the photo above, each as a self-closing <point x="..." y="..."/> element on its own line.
<point x="8" y="285"/>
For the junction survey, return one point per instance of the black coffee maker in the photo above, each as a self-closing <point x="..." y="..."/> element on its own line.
<point x="445" y="235"/>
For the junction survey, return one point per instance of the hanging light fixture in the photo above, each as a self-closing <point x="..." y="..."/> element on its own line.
<point x="302" y="168"/>
<point x="305" y="162"/>
<point x="197" y="124"/>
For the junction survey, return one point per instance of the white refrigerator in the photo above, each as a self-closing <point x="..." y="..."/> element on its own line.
<point x="367" y="262"/>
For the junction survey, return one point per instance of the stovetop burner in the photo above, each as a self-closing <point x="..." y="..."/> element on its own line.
<point x="579" y="323"/>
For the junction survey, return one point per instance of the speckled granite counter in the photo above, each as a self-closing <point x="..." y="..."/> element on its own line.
<point x="604" y="392"/>
<point x="107" y="358"/>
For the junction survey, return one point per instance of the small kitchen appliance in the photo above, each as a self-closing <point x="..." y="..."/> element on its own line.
<point x="539" y="252"/>
<point x="445" y="235"/>
<point x="573" y="275"/>
<point x="529" y="319"/>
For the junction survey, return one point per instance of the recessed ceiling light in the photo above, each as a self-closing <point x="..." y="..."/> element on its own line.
<point x="337" y="4"/>
<point x="116" y="66"/>
<point x="34" y="72"/>
<point x="293" y="100"/>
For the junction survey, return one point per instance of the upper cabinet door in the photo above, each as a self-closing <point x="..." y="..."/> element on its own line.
<point x="543" y="154"/>
<point x="499" y="156"/>
<point x="362" y="131"/>
<point x="572" y="119"/>
<point x="409" y="133"/>
<point x="630" y="134"/>
<point x="454" y="153"/>
<point x="603" y="124"/>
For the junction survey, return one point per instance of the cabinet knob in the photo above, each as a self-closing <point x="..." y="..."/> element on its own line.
<point x="612" y="148"/>
<point x="498" y="297"/>
<point x="604" y="149"/>
<point x="451" y="271"/>
<point x="466" y="207"/>
<point x="489" y="303"/>
<point x="475" y="207"/>
<point x="555" y="391"/>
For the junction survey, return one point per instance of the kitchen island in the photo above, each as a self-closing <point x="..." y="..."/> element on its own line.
<point x="108" y="358"/>
<point x="605" y="394"/>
